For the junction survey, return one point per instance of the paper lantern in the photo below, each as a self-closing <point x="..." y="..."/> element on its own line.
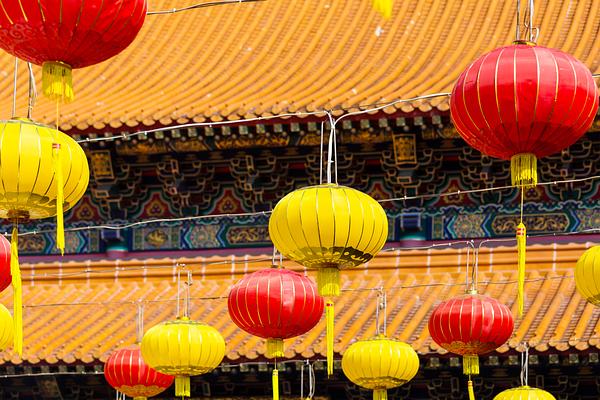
<point x="587" y="275"/>
<point x="523" y="102"/>
<point x="183" y="348"/>
<point x="471" y="325"/>
<point x="330" y="228"/>
<point x="275" y="304"/>
<point x="61" y="35"/>
<point x="380" y="364"/>
<point x="5" y="276"/>
<point x="6" y="328"/>
<point x="126" y="371"/>
<point x="524" y="393"/>
<point x="520" y="103"/>
<point x="43" y="173"/>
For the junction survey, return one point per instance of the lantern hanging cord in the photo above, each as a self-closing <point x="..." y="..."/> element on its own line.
<point x="267" y="213"/>
<point x="201" y="5"/>
<point x="525" y="365"/>
<point x="14" y="99"/>
<point x="363" y="109"/>
<point x="140" y="321"/>
<point x="32" y="92"/>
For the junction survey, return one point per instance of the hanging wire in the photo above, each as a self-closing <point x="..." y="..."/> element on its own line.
<point x="525" y="365"/>
<point x="32" y="92"/>
<point x="267" y="213"/>
<point x="177" y="307"/>
<point x="321" y="154"/>
<point x="201" y="5"/>
<point x="518" y="24"/>
<point x="140" y="321"/>
<point x="188" y="285"/>
<point x="14" y="99"/>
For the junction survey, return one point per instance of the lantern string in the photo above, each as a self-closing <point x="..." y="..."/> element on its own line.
<point x="201" y="5"/>
<point x="267" y="213"/>
<point x="32" y="93"/>
<point x="188" y="284"/>
<point x="15" y="77"/>
<point x="481" y="243"/>
<point x="331" y="149"/>
<point x="178" y="292"/>
<point x="518" y="25"/>
<point x="363" y="109"/>
<point x="475" y="272"/>
<point x="321" y="155"/>
<point x="140" y="321"/>
<point x="525" y="365"/>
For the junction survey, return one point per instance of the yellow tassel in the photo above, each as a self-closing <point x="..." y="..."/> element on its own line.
<point x="384" y="7"/>
<point x="521" y="254"/>
<point x="182" y="386"/>
<point x="17" y="292"/>
<point x="274" y="348"/>
<point x="470" y="390"/>
<point x="329" y="315"/>
<point x="328" y="281"/>
<point x="58" y="173"/>
<point x="471" y="365"/>
<point x="380" y="394"/>
<point x="57" y="81"/>
<point x="523" y="169"/>
<point x="275" y="384"/>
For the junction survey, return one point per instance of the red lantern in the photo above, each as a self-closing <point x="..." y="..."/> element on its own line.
<point x="60" y="35"/>
<point x="522" y="102"/>
<point x="275" y="304"/>
<point x="470" y="325"/>
<point x="5" y="275"/>
<point x="126" y="371"/>
<point x="519" y="103"/>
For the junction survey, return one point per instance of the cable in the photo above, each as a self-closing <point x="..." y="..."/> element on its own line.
<point x="266" y="213"/>
<point x="318" y="113"/>
<point x="201" y="5"/>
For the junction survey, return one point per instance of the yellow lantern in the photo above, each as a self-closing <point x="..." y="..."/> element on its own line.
<point x="587" y="275"/>
<point x="380" y="364"/>
<point x="183" y="348"/>
<point x="43" y="173"/>
<point x="524" y="393"/>
<point x="6" y="328"/>
<point x="328" y="227"/>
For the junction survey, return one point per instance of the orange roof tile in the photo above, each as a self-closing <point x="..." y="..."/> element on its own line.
<point x="556" y="315"/>
<point x="271" y="57"/>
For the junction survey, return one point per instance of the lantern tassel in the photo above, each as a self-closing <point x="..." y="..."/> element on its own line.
<point x="275" y="384"/>
<point x="17" y="292"/>
<point x="328" y="281"/>
<point x="57" y="81"/>
<point x="182" y="386"/>
<point x="384" y="7"/>
<point x="471" y="365"/>
<point x="329" y="316"/>
<point x="470" y="390"/>
<point x="523" y="169"/>
<point x="274" y="348"/>
<point x="58" y="173"/>
<point x="521" y="254"/>
<point x="380" y="394"/>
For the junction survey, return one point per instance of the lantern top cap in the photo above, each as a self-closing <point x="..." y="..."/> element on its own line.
<point x="525" y="42"/>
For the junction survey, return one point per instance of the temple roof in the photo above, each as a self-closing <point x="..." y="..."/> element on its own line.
<point x="272" y="57"/>
<point x="80" y="311"/>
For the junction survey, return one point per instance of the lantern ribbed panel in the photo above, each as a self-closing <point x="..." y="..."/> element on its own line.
<point x="28" y="188"/>
<point x="76" y="32"/>
<point x="275" y="304"/>
<point x="380" y="363"/>
<point x="524" y="393"/>
<point x="6" y="328"/>
<point x="183" y="347"/>
<point x="5" y="276"/>
<point x="471" y="324"/>
<point x="523" y="99"/>
<point x="328" y="226"/>
<point x="587" y="275"/>
<point x="126" y="371"/>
